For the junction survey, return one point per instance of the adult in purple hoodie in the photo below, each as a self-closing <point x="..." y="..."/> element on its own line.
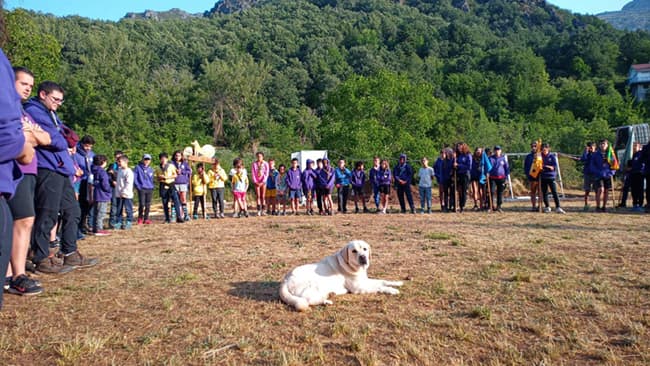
<point x="22" y="203"/>
<point x="13" y="145"/>
<point x="54" y="191"/>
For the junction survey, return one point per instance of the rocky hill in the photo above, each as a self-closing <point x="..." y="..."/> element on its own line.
<point x="174" y="13"/>
<point x="634" y="15"/>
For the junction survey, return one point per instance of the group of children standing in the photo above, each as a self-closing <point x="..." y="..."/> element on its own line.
<point x="279" y="191"/>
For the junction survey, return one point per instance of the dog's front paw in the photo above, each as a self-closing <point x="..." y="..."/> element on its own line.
<point x="327" y="302"/>
<point x="390" y="290"/>
<point x="393" y="283"/>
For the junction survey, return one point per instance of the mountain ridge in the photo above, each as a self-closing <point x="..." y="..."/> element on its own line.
<point x="634" y="15"/>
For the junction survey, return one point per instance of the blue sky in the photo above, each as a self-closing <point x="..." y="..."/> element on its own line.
<point x="115" y="9"/>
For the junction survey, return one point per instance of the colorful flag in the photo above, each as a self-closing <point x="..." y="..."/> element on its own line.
<point x="612" y="159"/>
<point x="538" y="165"/>
<point x="486" y="166"/>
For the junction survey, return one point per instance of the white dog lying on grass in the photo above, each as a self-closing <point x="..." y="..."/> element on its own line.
<point x="340" y="273"/>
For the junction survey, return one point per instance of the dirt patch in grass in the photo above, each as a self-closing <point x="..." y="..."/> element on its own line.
<point x="511" y="288"/>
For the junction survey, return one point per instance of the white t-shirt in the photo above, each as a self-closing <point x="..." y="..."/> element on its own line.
<point x="426" y="177"/>
<point x="125" y="183"/>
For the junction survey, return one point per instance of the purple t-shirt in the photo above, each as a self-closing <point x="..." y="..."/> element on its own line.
<point x="31" y="168"/>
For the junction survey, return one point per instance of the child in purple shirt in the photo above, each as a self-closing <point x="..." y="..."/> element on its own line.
<point x="358" y="180"/>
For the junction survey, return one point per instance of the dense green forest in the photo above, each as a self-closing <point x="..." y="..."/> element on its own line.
<point x="355" y="77"/>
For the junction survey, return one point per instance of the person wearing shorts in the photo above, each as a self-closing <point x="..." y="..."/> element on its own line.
<point x="384" y="178"/>
<point x="22" y="203"/>
<point x="602" y="170"/>
<point x="294" y="185"/>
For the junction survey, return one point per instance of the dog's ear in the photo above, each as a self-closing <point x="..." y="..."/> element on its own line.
<point x="345" y="254"/>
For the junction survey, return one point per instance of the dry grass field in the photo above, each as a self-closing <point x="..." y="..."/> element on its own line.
<point x="517" y="288"/>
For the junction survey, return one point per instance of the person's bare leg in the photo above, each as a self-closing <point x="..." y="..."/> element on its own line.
<point x="22" y="232"/>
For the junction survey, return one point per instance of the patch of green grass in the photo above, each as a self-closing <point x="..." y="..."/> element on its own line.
<point x="184" y="278"/>
<point x="438" y="236"/>
<point x="456" y="243"/>
<point x="520" y="277"/>
<point x="490" y="270"/>
<point x="481" y="312"/>
<point x="78" y="349"/>
<point x="278" y="265"/>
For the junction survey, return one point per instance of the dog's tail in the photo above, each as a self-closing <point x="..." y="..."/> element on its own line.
<point x="300" y="303"/>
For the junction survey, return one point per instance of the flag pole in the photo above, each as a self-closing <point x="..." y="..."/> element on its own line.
<point x="540" y="201"/>
<point x="455" y="185"/>
<point x="489" y="192"/>
<point x="613" y="193"/>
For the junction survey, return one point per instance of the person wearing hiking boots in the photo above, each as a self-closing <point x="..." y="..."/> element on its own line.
<point x="54" y="192"/>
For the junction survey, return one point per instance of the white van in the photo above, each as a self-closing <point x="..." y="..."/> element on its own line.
<point x="626" y="136"/>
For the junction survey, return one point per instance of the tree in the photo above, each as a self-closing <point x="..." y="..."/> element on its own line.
<point x="385" y="114"/>
<point x="234" y="101"/>
<point x="31" y="48"/>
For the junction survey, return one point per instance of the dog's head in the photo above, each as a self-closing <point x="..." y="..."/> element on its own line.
<point x="356" y="254"/>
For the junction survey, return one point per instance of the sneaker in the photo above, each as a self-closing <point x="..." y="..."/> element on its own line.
<point x="222" y="215"/>
<point x="245" y="213"/>
<point x="586" y="208"/>
<point x="259" y="213"/>
<point x="127" y="226"/>
<point x="25" y="286"/>
<point x="7" y="283"/>
<point x="235" y="215"/>
<point x="195" y="217"/>
<point x="547" y="209"/>
<point x="52" y="265"/>
<point x="147" y="222"/>
<point x="76" y="260"/>
<point x="102" y="233"/>
<point x="116" y="226"/>
<point x="365" y="210"/>
<point x="140" y="221"/>
<point x="559" y="210"/>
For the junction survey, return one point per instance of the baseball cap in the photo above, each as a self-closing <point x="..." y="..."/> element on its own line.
<point x="146" y="157"/>
<point x="498" y="147"/>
